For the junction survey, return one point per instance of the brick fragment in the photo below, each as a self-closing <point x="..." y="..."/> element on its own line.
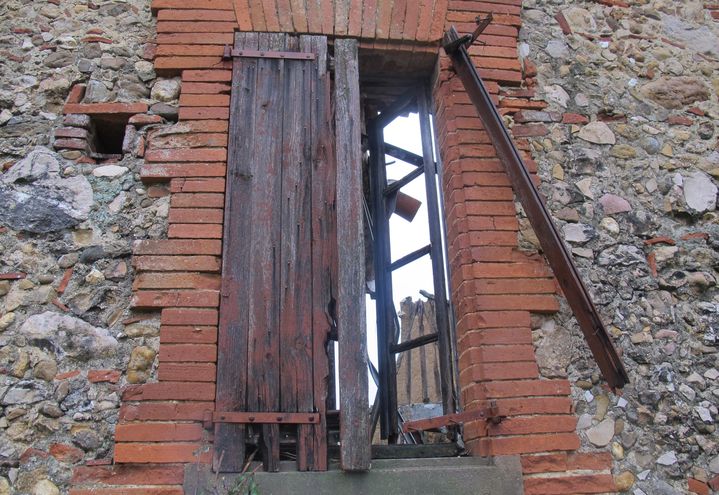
<point x="106" y="108"/>
<point x="570" y="485"/>
<point x="66" y="453"/>
<point x="96" y="376"/>
<point x="143" y="119"/>
<point x="696" y="486"/>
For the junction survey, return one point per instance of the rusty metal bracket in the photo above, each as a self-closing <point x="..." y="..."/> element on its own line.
<point x="209" y="418"/>
<point x="468" y="39"/>
<point x="489" y="414"/>
<point x="230" y="53"/>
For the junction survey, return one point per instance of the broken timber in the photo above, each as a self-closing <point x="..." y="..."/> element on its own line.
<point x="554" y="249"/>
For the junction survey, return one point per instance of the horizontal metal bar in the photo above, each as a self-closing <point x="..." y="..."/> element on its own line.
<point x="399" y="184"/>
<point x="490" y="413"/>
<point x="270" y="54"/>
<point x="403" y="154"/>
<point x="414" y="343"/>
<point x="409" y="258"/>
<point x="266" y="418"/>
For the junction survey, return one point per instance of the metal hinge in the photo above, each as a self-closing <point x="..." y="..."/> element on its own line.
<point x="230" y="53"/>
<point x="209" y="418"/>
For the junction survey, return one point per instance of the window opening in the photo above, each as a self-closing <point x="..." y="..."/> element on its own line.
<point x="408" y="260"/>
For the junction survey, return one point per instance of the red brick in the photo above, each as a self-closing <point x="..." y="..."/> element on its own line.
<point x="106" y="108"/>
<point x="696" y="486"/>
<point x="177" y="281"/>
<point x="200" y="200"/>
<point x="196" y="39"/>
<point x="188" y="335"/>
<point x="521" y="426"/>
<point x="679" y="120"/>
<point x="714" y="483"/>
<point x="162" y="171"/>
<point x="144" y="453"/>
<point x="495" y="336"/>
<point x="525" y="444"/>
<point x="515" y="286"/>
<point x="195" y="231"/>
<point x="511" y="270"/>
<point x="71" y="132"/>
<point x="530" y="405"/>
<point x="176" y="298"/>
<point x="144" y="119"/>
<point x="173" y="247"/>
<point x="197" y="185"/>
<point x="183" y="317"/>
<point x="574" y="118"/>
<point x="67" y="375"/>
<point x="534" y="303"/>
<point x="177" y="263"/>
<point x="544" y="463"/>
<point x="70" y="144"/>
<point x="590" y="461"/>
<point x="188" y="353"/>
<point x="203" y="113"/>
<point x="570" y="485"/>
<point x="66" y="453"/>
<point x="196" y="15"/>
<point x="128" y="490"/>
<point x="194" y="4"/>
<point x="207" y="75"/>
<point x="522" y="388"/>
<point x="191" y="100"/>
<point x="158" y="432"/>
<point x="189" y="140"/>
<point x="501" y="371"/>
<point x="195" y="27"/>
<point x="76" y="94"/>
<point x="196" y="215"/>
<point x="188" y="372"/>
<point x="165" y="411"/>
<point x="496" y="354"/>
<point x="187" y="155"/>
<point x="530" y="130"/>
<point x="169" y="391"/>
<point x="129" y="475"/>
<point x="111" y="376"/>
<point x="205" y="88"/>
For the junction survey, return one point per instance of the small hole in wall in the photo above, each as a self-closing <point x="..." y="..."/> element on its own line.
<point x="108" y="134"/>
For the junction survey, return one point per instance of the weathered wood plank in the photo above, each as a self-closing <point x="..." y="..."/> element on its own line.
<point x="264" y="339"/>
<point x="324" y="244"/>
<point x="354" y="408"/>
<point x="295" y="254"/>
<point x="234" y="326"/>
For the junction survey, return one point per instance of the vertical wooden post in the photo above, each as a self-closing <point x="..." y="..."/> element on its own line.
<point x="354" y="402"/>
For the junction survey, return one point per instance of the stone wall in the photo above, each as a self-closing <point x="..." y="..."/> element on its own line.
<point x="613" y="106"/>
<point x="68" y="340"/>
<point x="627" y="153"/>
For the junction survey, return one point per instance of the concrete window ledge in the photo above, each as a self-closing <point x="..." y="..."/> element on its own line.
<point x="435" y="476"/>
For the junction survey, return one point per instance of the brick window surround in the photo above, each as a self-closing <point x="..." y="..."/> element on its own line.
<point x="160" y="427"/>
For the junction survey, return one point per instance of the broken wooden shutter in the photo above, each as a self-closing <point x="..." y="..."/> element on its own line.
<point x="280" y="252"/>
<point x="554" y="249"/>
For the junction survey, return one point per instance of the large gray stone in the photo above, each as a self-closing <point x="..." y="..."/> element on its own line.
<point x="37" y="199"/>
<point x="67" y="336"/>
<point x="700" y="192"/>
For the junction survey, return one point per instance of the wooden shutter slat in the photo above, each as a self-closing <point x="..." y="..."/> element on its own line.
<point x="232" y="356"/>
<point x="280" y="249"/>
<point x="354" y="396"/>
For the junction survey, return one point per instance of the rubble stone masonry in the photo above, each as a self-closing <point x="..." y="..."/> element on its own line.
<point x="113" y="148"/>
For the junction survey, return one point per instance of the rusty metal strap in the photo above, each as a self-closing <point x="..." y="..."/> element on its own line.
<point x="490" y="414"/>
<point x="211" y="417"/>
<point x="553" y="247"/>
<point x="230" y="53"/>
